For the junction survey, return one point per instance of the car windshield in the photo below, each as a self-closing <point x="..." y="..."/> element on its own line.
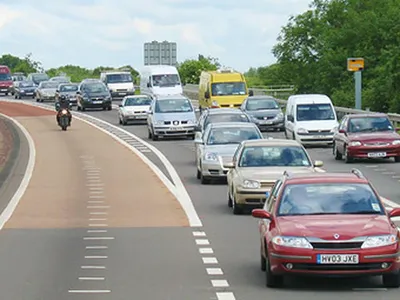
<point x="5" y="77"/>
<point x="49" y="85"/>
<point x="315" y="112"/>
<point x="26" y="84"/>
<point x="40" y="77"/>
<point x="222" y="118"/>
<point x="95" y="88"/>
<point x="329" y="198"/>
<point x="119" y="78"/>
<point x="173" y="106"/>
<point x="137" y="101"/>
<point x="274" y="156"/>
<point x="68" y="88"/>
<point x="370" y="124"/>
<point x="232" y="135"/>
<point x="165" y="80"/>
<point x="261" y="104"/>
<point x="228" y="88"/>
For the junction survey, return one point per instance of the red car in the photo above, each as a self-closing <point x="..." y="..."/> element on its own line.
<point x="6" y="82"/>
<point x="327" y="224"/>
<point x="366" y="136"/>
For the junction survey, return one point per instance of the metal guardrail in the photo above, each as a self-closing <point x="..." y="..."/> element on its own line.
<point x="191" y="90"/>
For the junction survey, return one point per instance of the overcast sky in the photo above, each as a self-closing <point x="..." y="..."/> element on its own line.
<point x="90" y="33"/>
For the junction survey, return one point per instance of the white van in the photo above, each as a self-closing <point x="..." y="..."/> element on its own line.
<point x="120" y="83"/>
<point x="159" y="80"/>
<point x="310" y="119"/>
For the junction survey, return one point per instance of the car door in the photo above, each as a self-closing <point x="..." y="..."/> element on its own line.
<point x="232" y="175"/>
<point x="289" y="122"/>
<point x="266" y="226"/>
<point x="150" y="115"/>
<point x="202" y="147"/>
<point x="340" y="138"/>
<point x="121" y="108"/>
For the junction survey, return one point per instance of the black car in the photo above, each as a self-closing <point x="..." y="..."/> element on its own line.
<point x="23" y="89"/>
<point x="67" y="90"/>
<point x="92" y="93"/>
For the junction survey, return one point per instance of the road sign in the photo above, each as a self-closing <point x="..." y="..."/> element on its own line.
<point x="355" y="64"/>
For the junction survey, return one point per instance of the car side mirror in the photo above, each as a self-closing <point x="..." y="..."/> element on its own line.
<point x="395" y="212"/>
<point x="290" y="118"/>
<point x="251" y="93"/>
<point x="261" y="214"/>
<point x="229" y="165"/>
<point x="197" y="110"/>
<point x="198" y="141"/>
<point x="57" y="91"/>
<point x="318" y="163"/>
<point x="149" y="112"/>
<point x="342" y="131"/>
<point x="207" y="95"/>
<point x="148" y="84"/>
<point x="120" y="105"/>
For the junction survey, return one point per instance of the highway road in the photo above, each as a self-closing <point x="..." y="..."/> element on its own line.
<point x="166" y="263"/>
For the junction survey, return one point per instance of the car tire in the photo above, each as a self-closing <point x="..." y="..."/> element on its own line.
<point x="391" y="280"/>
<point x="293" y="136"/>
<point x="6" y="93"/>
<point x="154" y="137"/>
<point x="78" y="108"/>
<point x="15" y="96"/>
<point x="348" y="159"/>
<point x="83" y="108"/>
<point x="230" y="203"/>
<point x="124" y="122"/>
<point x="272" y="280"/>
<point x="19" y="97"/>
<point x="149" y="135"/>
<point x="109" y="107"/>
<point x="198" y="174"/>
<point x="120" y="121"/>
<point x="262" y="260"/>
<point x="237" y="210"/>
<point x="204" y="179"/>
<point x="397" y="159"/>
<point x="336" y="153"/>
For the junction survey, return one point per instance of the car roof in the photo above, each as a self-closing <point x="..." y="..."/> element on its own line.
<point x="137" y="96"/>
<point x="216" y="111"/>
<point x="172" y="96"/>
<point x="68" y="83"/>
<point x="311" y="178"/>
<point x="260" y="97"/>
<point x="233" y="124"/>
<point x="270" y="142"/>
<point x="91" y="80"/>
<point x="368" y="115"/>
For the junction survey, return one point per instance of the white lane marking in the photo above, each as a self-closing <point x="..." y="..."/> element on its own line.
<point x="98" y="213"/>
<point x="95" y="185"/>
<point x="98" y="225"/>
<point x="199" y="233"/>
<point x="97" y="231"/>
<point x="89" y="291"/>
<point x="97" y="196"/>
<point x="93" y="267"/>
<point x="91" y="278"/>
<point x="396" y="176"/>
<point x="98" y="206"/>
<point x="92" y="177"/>
<point x="395" y="219"/>
<point x="96" y="247"/>
<point x="98" y="219"/>
<point x="206" y="251"/>
<point x="95" y="201"/>
<point x="209" y="260"/>
<point x="226" y="296"/>
<point x="380" y="170"/>
<point x="94" y="180"/>
<point x="371" y="166"/>
<point x="96" y="256"/>
<point x="219" y="283"/>
<point x="11" y="206"/>
<point x="388" y="173"/>
<point x="96" y="192"/>
<point x="203" y="242"/>
<point x="98" y="188"/>
<point x="214" y="271"/>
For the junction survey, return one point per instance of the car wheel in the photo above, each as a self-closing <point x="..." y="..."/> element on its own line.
<point x="336" y="153"/>
<point x="6" y="93"/>
<point x="391" y="280"/>
<point x="124" y="122"/>
<point x="204" y="179"/>
<point x="229" y="199"/>
<point x="262" y="260"/>
<point x="397" y="159"/>
<point x="109" y="107"/>
<point x="149" y="135"/>
<point x="348" y="159"/>
<point x="237" y="210"/>
<point x="120" y="120"/>
<point x="198" y="175"/>
<point x="78" y="108"/>
<point x="15" y="96"/>
<point x="271" y="280"/>
<point x="293" y="136"/>
<point x="154" y="137"/>
<point x="83" y="108"/>
<point x="19" y="97"/>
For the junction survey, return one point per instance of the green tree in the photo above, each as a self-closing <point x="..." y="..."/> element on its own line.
<point x="190" y="69"/>
<point x="25" y="65"/>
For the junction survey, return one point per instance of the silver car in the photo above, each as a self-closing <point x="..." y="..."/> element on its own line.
<point x="171" y="116"/>
<point x="218" y="145"/>
<point x="46" y="91"/>
<point x="265" y="112"/>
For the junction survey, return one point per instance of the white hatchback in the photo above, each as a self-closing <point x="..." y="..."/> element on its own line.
<point x="134" y="109"/>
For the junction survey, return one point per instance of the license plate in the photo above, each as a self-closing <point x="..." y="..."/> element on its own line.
<point x="29" y="94"/>
<point x="122" y="94"/>
<point x="97" y="102"/>
<point x="176" y="128"/>
<point x="319" y="137"/>
<point x="377" y="154"/>
<point x="337" y="259"/>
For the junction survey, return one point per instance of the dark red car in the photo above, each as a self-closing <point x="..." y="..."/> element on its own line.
<point x="6" y="82"/>
<point x="327" y="224"/>
<point x="366" y="136"/>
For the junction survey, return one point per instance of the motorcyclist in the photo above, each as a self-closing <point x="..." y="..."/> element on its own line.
<point x="62" y="104"/>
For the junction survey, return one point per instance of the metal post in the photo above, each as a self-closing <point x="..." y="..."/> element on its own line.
<point x="357" y="79"/>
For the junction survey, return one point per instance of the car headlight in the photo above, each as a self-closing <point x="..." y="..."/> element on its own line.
<point x="22" y="91"/>
<point x="214" y="104"/>
<point x="396" y="142"/>
<point x="355" y="143"/>
<point x="379" y="241"/>
<point x="251" y="184"/>
<point x="279" y="116"/>
<point x="191" y="122"/>
<point x="158" y="122"/>
<point x="302" y="130"/>
<point x="334" y="129"/>
<point x="292" y="241"/>
<point x="211" y="157"/>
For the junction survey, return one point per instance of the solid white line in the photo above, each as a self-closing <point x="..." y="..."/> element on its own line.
<point x="96" y="247"/>
<point x="202" y="242"/>
<point x="226" y="296"/>
<point x="214" y="271"/>
<point x="219" y="283"/>
<point x="97" y="231"/>
<point x="89" y="291"/>
<point x="209" y="260"/>
<point x="396" y="176"/>
<point x="96" y="257"/>
<point x="97" y="219"/>
<point x="10" y="208"/>
<point x="91" y="278"/>
<point x="98" y="225"/>
<point x="99" y="213"/>
<point x="206" y="250"/>
<point x="98" y="206"/>
<point x="379" y="170"/>
<point x="199" y="233"/>
<point x="99" y="238"/>
<point x="93" y="267"/>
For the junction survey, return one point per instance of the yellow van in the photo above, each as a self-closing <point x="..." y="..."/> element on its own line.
<point x="222" y="89"/>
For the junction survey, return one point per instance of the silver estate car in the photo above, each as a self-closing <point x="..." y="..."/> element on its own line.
<point x="218" y="145"/>
<point x="171" y="116"/>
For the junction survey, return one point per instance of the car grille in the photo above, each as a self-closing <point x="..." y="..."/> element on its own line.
<point x="266" y="184"/>
<point x="140" y="112"/>
<point x="265" y="117"/>
<point x="343" y="245"/>
<point x="318" y="131"/>
<point x="97" y="99"/>
<point x="122" y="90"/>
<point x="377" y="144"/>
<point x="176" y="122"/>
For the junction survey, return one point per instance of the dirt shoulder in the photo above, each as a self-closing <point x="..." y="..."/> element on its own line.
<point x="65" y="193"/>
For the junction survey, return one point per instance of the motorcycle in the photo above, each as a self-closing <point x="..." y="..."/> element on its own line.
<point x="63" y="121"/>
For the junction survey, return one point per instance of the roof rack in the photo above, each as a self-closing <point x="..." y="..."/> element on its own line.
<point x="358" y="173"/>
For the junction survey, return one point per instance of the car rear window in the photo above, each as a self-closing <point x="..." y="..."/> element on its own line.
<point x="226" y="118"/>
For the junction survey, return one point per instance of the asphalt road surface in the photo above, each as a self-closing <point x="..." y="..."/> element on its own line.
<point x="166" y="263"/>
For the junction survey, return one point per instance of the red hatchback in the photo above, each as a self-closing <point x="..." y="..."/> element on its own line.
<point x="366" y="136"/>
<point x="5" y="80"/>
<point x="327" y="224"/>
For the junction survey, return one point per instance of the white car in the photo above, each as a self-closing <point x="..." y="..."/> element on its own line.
<point x="134" y="109"/>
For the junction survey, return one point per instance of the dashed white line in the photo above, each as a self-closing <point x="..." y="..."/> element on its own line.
<point x="95" y="184"/>
<point x="96" y="256"/>
<point x="371" y="166"/>
<point x="98" y="206"/>
<point x="214" y="271"/>
<point x="97" y="231"/>
<point x="209" y="260"/>
<point x="219" y="283"/>
<point x="206" y="251"/>
<point x="98" y="225"/>
<point x="99" y="188"/>
<point x="199" y="233"/>
<point x="203" y="242"/>
<point x="95" y="202"/>
<point x="89" y="291"/>
<point x="97" y="219"/>
<point x="379" y="170"/>
<point x="97" y="196"/>
<point x="96" y="247"/>
<point x="96" y="192"/>
<point x="91" y="278"/>
<point x="226" y="296"/>
<point x="388" y="173"/>
<point x="99" y="213"/>
<point x="93" y="267"/>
